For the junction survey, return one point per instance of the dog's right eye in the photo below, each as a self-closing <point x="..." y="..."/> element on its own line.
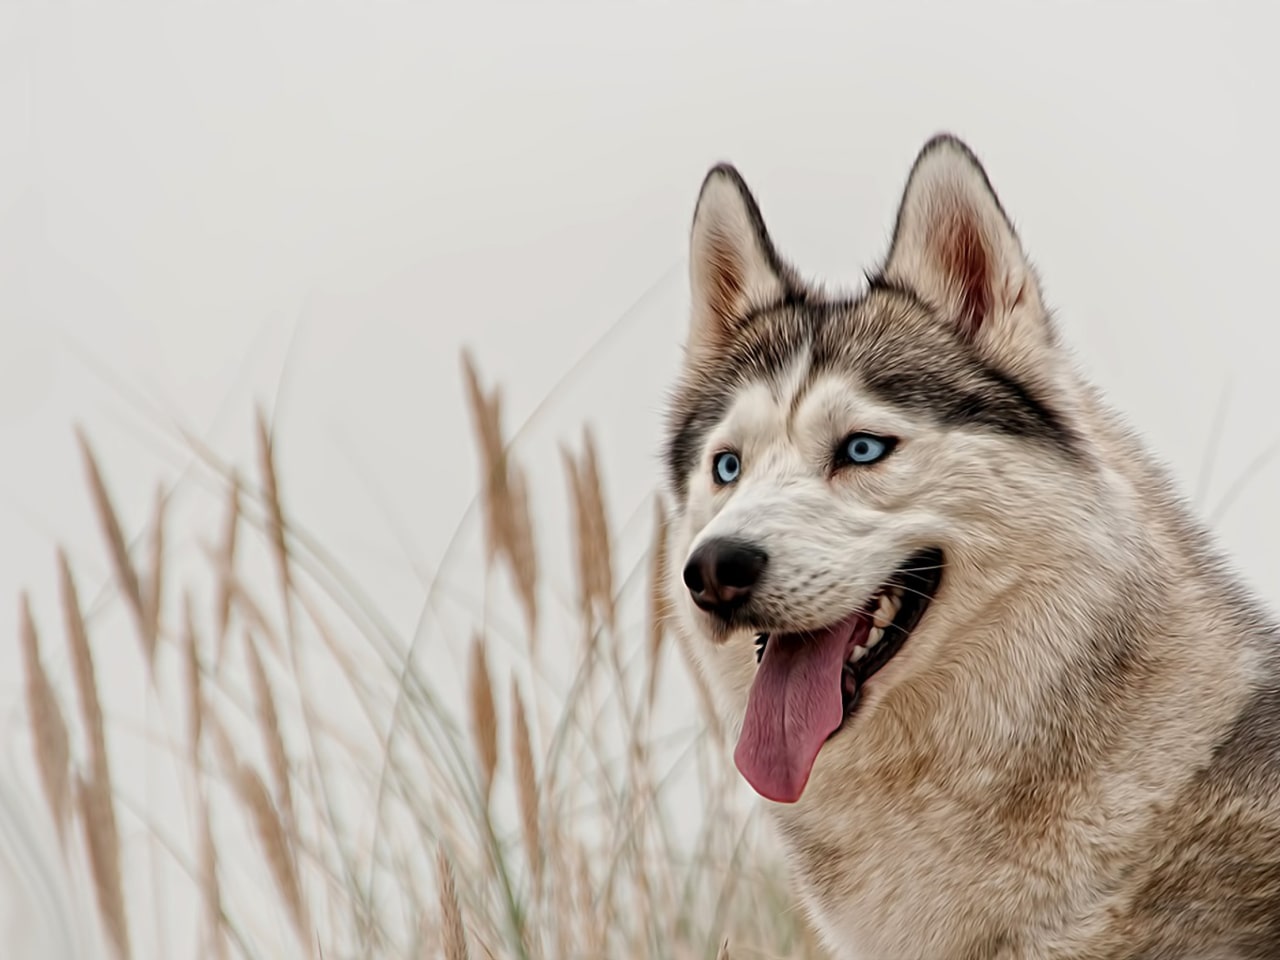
<point x="726" y="467"/>
<point x="864" y="449"/>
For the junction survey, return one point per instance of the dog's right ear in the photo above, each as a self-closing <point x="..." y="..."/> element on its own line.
<point x="733" y="267"/>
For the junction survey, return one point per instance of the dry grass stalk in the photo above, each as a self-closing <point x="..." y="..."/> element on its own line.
<point x="508" y="523"/>
<point x="507" y="519"/>
<point x="152" y="593"/>
<point x="275" y="846"/>
<point x="658" y="607"/>
<point x="581" y="546"/>
<point x="222" y="748"/>
<point x="601" y="550"/>
<point x="207" y="856"/>
<point x="275" y="515"/>
<point x="272" y="736"/>
<point x="591" y="537"/>
<point x="723" y="952"/>
<point x="244" y="602"/>
<point x="484" y="716"/>
<point x="48" y="728"/>
<point x="593" y="937"/>
<point x="710" y="715"/>
<point x="486" y="419"/>
<point x="499" y="470"/>
<point x="526" y="782"/>
<point x="96" y="807"/>
<point x="523" y="552"/>
<point x="210" y="892"/>
<point x="97" y="814"/>
<point x="564" y="932"/>
<point x="191" y="676"/>
<point x="83" y="671"/>
<point x="118" y="549"/>
<point x="226" y="561"/>
<point x="455" y="936"/>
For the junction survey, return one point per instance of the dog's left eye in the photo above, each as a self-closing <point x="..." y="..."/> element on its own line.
<point x="726" y="467"/>
<point x="864" y="449"/>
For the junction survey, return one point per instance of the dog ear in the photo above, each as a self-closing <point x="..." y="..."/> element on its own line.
<point x="955" y="247"/>
<point x="733" y="267"/>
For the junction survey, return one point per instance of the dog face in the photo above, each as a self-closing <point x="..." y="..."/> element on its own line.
<point x="860" y="479"/>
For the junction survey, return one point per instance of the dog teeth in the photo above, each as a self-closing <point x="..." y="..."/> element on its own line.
<point x="887" y="609"/>
<point x="858" y="654"/>
<point x="875" y="636"/>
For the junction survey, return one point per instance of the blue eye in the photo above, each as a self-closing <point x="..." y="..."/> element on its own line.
<point x="864" y="449"/>
<point x="726" y="467"/>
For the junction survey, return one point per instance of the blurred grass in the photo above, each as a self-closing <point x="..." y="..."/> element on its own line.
<point x="518" y="818"/>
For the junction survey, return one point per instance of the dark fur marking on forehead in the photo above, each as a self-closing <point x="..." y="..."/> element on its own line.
<point x="697" y="415"/>
<point x="889" y="338"/>
<point x="979" y="396"/>
<point x="909" y="359"/>
<point x="761" y="350"/>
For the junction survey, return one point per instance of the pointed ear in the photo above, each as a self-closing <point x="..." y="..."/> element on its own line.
<point x="733" y="267"/>
<point x="955" y="247"/>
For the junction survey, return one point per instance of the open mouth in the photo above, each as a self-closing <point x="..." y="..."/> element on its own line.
<point x="880" y="628"/>
<point x="808" y="683"/>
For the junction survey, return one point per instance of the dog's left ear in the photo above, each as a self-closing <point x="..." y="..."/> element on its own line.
<point x="733" y="267"/>
<point x="955" y="247"/>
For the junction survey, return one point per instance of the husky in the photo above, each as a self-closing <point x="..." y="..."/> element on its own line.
<point x="1001" y="694"/>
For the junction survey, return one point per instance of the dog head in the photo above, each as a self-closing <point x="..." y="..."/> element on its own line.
<point x="860" y="480"/>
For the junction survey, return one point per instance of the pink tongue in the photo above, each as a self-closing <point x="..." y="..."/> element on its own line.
<point x="795" y="703"/>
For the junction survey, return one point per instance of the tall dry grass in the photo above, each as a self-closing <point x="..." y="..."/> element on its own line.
<point x="535" y="821"/>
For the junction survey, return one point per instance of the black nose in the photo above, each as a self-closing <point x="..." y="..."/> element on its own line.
<point x="720" y="574"/>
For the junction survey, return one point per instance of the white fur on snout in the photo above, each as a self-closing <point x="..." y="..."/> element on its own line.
<point x="827" y="553"/>
<point x="831" y="540"/>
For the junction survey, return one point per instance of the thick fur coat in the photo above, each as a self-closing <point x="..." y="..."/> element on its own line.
<point x="1076" y="751"/>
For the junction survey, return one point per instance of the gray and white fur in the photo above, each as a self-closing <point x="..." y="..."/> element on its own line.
<point x="1076" y="751"/>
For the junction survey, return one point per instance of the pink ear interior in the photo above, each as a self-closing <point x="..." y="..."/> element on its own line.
<point x="726" y="273"/>
<point x="964" y="258"/>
